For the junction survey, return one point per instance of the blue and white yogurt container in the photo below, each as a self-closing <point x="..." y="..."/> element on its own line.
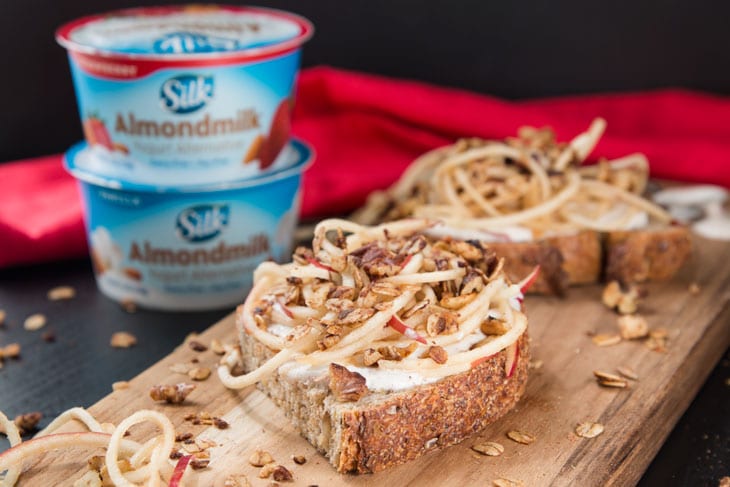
<point x="191" y="247"/>
<point x="191" y="94"/>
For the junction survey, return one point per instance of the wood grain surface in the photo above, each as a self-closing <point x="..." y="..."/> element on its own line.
<point x="560" y="394"/>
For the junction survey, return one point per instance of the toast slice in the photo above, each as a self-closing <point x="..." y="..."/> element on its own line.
<point x="383" y="343"/>
<point x="382" y="430"/>
<point x="536" y="204"/>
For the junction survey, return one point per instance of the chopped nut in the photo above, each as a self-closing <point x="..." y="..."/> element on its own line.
<point x="606" y="340"/>
<point x="122" y="339"/>
<point x="502" y="482"/>
<point x="371" y="357"/>
<point x="217" y="347"/>
<point x="627" y="372"/>
<point x="48" y="336"/>
<point x="27" y="422"/>
<point x="520" y="437"/>
<point x="282" y="474"/>
<point x="299" y="459"/>
<point x="196" y="346"/>
<point x="239" y="480"/>
<point x="694" y="290"/>
<point x="199" y="373"/>
<point x="493" y="326"/>
<point x="11" y="350"/>
<point x="441" y="323"/>
<point x="659" y="333"/>
<point x="656" y="344"/>
<point x="345" y="385"/>
<point x="391" y="352"/>
<point x="91" y="478"/>
<point x="199" y="463"/>
<point x="267" y="470"/>
<point x="120" y="385"/>
<point x="259" y="458"/>
<point x="438" y="354"/>
<point x="173" y="394"/>
<point x="724" y="482"/>
<point x="34" y="322"/>
<point x="588" y="429"/>
<point x="625" y="301"/>
<point x="129" y="306"/>
<point x="221" y="424"/>
<point x="61" y="292"/>
<point x="183" y="437"/>
<point x="632" y="326"/>
<point x="490" y="448"/>
<point x="610" y="380"/>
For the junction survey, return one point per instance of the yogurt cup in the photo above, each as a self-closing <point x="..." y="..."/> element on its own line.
<point x="187" y="247"/>
<point x="186" y="95"/>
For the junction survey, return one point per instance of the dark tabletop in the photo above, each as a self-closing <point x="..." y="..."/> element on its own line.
<point x="78" y="368"/>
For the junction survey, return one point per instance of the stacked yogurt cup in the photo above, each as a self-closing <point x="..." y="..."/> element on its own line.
<point x="188" y="173"/>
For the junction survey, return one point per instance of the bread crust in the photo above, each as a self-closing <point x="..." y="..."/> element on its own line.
<point x="647" y="255"/>
<point x="588" y="257"/>
<point x="386" y="429"/>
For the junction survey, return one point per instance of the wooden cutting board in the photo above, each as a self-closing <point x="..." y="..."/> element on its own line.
<point x="560" y="394"/>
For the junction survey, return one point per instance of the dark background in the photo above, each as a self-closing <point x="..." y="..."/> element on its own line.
<point x="505" y="48"/>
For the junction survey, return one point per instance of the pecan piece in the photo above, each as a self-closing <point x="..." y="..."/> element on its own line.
<point x="345" y="385"/>
<point x="27" y="422"/>
<point x="173" y="394"/>
<point x="438" y="354"/>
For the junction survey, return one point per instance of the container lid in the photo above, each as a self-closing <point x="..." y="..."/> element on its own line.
<point x="193" y="31"/>
<point x="81" y="162"/>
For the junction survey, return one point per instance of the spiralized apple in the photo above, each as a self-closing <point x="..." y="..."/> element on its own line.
<point x="530" y="183"/>
<point x="149" y="461"/>
<point x="395" y="280"/>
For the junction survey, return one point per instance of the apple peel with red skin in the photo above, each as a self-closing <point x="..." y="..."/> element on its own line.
<point x="317" y="263"/>
<point x="513" y="355"/>
<point x="405" y="330"/>
<point x="179" y="471"/>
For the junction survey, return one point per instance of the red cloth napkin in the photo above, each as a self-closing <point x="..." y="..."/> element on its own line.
<point x="366" y="129"/>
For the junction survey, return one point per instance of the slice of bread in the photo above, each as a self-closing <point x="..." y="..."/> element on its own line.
<point x="537" y="204"/>
<point x="588" y="257"/>
<point x="381" y="430"/>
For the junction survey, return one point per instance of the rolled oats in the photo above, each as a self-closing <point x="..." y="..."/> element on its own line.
<point x="588" y="429"/>
<point x="521" y="437"/>
<point x="120" y="385"/>
<point x="61" y="292"/>
<point x="610" y="380"/>
<point x="123" y="339"/>
<point x="259" y="458"/>
<point x="199" y="373"/>
<point x="490" y="448"/>
<point x="217" y="347"/>
<point x="238" y="480"/>
<point x="627" y="372"/>
<point x="34" y="322"/>
<point x="267" y="470"/>
<point x="502" y="482"/>
<point x="606" y="340"/>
